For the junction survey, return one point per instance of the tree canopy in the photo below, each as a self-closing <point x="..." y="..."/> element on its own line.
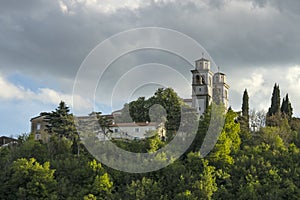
<point x="61" y="121"/>
<point x="263" y="166"/>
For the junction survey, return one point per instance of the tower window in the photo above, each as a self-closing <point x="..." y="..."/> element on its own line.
<point x="199" y="89"/>
<point x="203" y="80"/>
<point x="197" y="79"/>
<point x="38" y="126"/>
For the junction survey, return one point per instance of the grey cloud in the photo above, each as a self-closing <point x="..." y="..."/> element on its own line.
<point x="40" y="39"/>
<point x="63" y="40"/>
<point x="288" y="6"/>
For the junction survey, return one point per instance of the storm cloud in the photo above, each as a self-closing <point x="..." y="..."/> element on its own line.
<point x="255" y="42"/>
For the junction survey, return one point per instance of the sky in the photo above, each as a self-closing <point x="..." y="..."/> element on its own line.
<point x="44" y="43"/>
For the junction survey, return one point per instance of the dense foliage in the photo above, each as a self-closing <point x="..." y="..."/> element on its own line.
<point x="263" y="165"/>
<point x="163" y="106"/>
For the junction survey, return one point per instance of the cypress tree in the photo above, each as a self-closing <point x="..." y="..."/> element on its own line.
<point x="275" y="101"/>
<point x="283" y="105"/>
<point x="286" y="107"/>
<point x="245" y="105"/>
<point x="245" y="111"/>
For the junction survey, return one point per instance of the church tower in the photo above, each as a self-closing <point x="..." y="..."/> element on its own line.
<point x="202" y="85"/>
<point x="220" y="89"/>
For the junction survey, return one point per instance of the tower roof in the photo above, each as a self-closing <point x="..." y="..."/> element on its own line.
<point x="202" y="59"/>
<point x="219" y="73"/>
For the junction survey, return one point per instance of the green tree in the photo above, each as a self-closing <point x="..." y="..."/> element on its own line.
<point x="275" y="105"/>
<point x="228" y="142"/>
<point x="31" y="148"/>
<point x="186" y="195"/>
<point x="171" y="102"/>
<point x="143" y="189"/>
<point x="61" y="122"/>
<point x="286" y="107"/>
<point x="89" y="197"/>
<point x="80" y="176"/>
<point x="206" y="185"/>
<point x="102" y="186"/>
<point x="244" y="119"/>
<point x="104" y="124"/>
<point x="58" y="147"/>
<point x="166" y="98"/>
<point x="245" y="110"/>
<point x="275" y="101"/>
<point x="245" y="105"/>
<point x="204" y="123"/>
<point x="139" y="110"/>
<point x="30" y="180"/>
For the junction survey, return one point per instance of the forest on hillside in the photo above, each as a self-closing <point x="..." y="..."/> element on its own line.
<point x="256" y="157"/>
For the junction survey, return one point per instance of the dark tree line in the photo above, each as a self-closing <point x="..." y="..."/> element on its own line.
<point x="276" y="111"/>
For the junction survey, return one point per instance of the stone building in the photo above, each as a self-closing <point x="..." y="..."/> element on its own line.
<point x="38" y="128"/>
<point x="136" y="131"/>
<point x="207" y="86"/>
<point x="5" y="141"/>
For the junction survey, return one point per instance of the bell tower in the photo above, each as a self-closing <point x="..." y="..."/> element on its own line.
<point x="220" y="89"/>
<point x="202" y="85"/>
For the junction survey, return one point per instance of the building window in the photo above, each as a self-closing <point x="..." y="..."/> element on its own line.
<point x="116" y="130"/>
<point x="199" y="108"/>
<point x="38" y="126"/>
<point x="197" y="79"/>
<point x="203" y="80"/>
<point x="137" y="130"/>
<point x="37" y="136"/>
<point x="199" y="89"/>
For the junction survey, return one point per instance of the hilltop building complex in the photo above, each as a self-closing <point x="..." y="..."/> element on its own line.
<point x="206" y="88"/>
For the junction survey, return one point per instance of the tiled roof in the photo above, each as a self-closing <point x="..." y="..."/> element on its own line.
<point x="134" y="124"/>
